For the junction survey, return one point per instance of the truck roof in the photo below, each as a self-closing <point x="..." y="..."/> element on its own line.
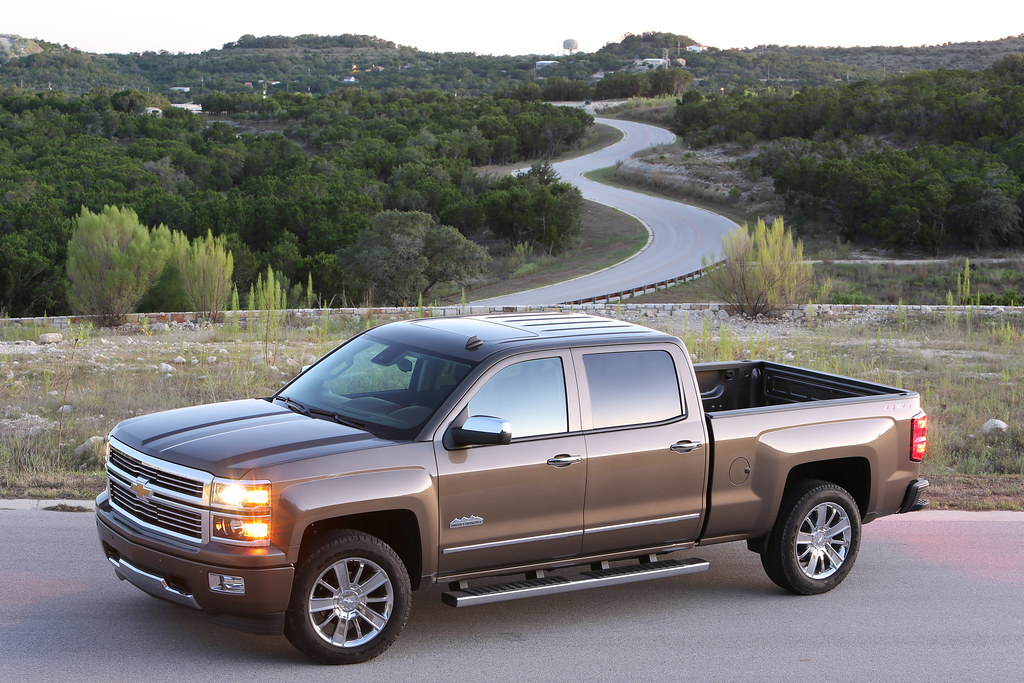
<point x="480" y="335"/>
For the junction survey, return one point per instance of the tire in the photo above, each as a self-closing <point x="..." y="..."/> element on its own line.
<point x="350" y="600"/>
<point x="815" y="540"/>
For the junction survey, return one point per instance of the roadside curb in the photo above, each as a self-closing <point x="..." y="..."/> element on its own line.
<point x="35" y="504"/>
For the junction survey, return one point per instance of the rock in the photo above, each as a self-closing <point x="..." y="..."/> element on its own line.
<point x="178" y="360"/>
<point x="994" y="428"/>
<point x="66" y="408"/>
<point x="89" y="455"/>
<point x="165" y="367"/>
<point x="51" y="338"/>
<point x="158" y="327"/>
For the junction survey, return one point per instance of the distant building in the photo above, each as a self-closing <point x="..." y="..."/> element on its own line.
<point x="190" y="106"/>
<point x="695" y="48"/>
<point x="546" y="62"/>
<point x="655" y="63"/>
<point x="153" y="111"/>
<point x="181" y="88"/>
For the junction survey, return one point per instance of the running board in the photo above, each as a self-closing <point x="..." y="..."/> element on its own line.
<point x="529" y="588"/>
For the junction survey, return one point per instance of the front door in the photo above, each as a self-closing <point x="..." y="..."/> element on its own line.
<point x="504" y="505"/>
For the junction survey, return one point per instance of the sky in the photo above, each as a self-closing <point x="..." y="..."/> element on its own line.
<point x="516" y="28"/>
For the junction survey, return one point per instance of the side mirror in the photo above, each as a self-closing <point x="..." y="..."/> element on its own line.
<point x="481" y="430"/>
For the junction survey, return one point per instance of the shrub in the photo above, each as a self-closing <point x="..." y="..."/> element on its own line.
<point x="205" y="267"/>
<point x="763" y="270"/>
<point x="112" y="261"/>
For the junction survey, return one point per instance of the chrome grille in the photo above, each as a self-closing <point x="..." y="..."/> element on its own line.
<point x="158" y="495"/>
<point x="154" y="475"/>
<point x="156" y="511"/>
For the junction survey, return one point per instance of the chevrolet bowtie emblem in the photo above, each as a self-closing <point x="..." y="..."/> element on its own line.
<point x="140" y="489"/>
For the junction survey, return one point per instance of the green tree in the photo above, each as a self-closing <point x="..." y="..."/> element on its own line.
<point x="112" y="261"/>
<point x="762" y="272"/>
<point x="205" y="266"/>
<point x="403" y="254"/>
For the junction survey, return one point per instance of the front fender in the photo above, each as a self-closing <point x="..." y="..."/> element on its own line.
<point x="407" y="488"/>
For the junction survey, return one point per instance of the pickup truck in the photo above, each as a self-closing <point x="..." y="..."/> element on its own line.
<point x="507" y="456"/>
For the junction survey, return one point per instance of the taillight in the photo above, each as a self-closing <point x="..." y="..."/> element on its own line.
<point x="918" y="437"/>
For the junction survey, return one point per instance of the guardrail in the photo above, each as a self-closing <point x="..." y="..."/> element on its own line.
<point x="641" y="290"/>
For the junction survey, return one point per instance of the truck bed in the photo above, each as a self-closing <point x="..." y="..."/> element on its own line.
<point x="759" y="384"/>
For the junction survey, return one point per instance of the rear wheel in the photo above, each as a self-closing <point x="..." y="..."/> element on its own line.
<point x="350" y="600"/>
<point x="815" y="540"/>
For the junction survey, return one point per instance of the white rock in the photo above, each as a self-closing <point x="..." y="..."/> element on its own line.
<point x="51" y="338"/>
<point x="994" y="427"/>
<point x="178" y="360"/>
<point x="165" y="367"/>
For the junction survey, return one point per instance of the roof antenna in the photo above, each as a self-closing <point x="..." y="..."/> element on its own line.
<point x="472" y="344"/>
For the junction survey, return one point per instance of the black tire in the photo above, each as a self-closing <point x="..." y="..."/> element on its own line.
<point x="815" y="540"/>
<point x="350" y="600"/>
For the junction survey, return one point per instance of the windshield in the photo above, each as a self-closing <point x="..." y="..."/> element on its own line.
<point x="388" y="387"/>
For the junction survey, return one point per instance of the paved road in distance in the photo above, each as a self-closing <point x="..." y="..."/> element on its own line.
<point x="935" y="596"/>
<point x="681" y="235"/>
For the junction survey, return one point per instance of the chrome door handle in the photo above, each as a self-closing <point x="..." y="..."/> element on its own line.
<point x="564" y="460"/>
<point x="686" y="446"/>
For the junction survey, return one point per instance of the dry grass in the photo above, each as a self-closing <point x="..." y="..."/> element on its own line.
<point x="968" y="368"/>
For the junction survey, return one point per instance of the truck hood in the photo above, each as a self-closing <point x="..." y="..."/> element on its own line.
<point x="230" y="439"/>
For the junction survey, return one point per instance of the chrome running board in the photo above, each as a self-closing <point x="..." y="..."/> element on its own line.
<point x="465" y="596"/>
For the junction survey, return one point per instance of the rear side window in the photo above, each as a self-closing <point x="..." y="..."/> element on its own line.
<point x="631" y="388"/>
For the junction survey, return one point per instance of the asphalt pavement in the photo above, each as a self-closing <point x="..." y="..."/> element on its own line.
<point x="934" y="596"/>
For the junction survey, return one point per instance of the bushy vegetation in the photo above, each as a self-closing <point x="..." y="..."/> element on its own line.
<point x="294" y="181"/>
<point x="928" y="161"/>
<point x="763" y="270"/>
<point x="113" y="260"/>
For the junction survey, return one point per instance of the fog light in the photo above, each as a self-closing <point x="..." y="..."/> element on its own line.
<point x="222" y="583"/>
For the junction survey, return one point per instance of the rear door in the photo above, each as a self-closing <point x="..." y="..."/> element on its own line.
<point x="646" y="448"/>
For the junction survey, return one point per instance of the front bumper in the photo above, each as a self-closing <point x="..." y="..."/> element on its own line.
<point x="912" y="501"/>
<point x="173" y="571"/>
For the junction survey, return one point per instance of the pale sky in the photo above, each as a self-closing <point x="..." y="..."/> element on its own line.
<point x="525" y="27"/>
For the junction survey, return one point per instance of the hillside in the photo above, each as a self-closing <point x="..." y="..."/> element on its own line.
<point x="321" y="64"/>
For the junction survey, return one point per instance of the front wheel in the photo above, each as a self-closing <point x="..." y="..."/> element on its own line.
<point x="815" y="540"/>
<point x="350" y="600"/>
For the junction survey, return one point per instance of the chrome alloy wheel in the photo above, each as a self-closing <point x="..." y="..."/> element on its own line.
<point x="351" y="602"/>
<point x="823" y="540"/>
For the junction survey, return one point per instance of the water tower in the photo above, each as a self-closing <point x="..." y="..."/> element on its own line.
<point x="570" y="45"/>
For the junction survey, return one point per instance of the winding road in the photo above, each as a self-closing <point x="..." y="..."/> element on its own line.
<point x="680" y="235"/>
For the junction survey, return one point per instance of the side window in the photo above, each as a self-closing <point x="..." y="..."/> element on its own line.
<point x="633" y="387"/>
<point x="530" y="395"/>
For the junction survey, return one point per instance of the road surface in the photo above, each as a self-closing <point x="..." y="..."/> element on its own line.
<point x="935" y="596"/>
<point x="681" y="235"/>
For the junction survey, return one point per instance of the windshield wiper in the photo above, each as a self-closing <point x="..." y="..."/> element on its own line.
<point x="308" y="411"/>
<point x="294" y="405"/>
<point x="337" y="417"/>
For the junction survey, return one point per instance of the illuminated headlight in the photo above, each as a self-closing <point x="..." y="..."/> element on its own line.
<point x="241" y="529"/>
<point x="241" y="511"/>
<point x="243" y="495"/>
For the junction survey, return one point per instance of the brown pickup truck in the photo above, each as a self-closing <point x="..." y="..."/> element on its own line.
<point x="459" y="450"/>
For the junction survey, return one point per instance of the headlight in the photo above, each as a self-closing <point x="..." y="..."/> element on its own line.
<point x="243" y="495"/>
<point x="241" y="511"/>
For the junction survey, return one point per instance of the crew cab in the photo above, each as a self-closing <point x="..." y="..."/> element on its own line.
<point x="506" y="456"/>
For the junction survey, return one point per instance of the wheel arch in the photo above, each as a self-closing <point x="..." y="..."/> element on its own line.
<point x="398" y="528"/>
<point x="852" y="474"/>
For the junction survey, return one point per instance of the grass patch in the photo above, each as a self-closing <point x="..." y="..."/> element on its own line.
<point x="967" y="369"/>
<point x="609" y="236"/>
